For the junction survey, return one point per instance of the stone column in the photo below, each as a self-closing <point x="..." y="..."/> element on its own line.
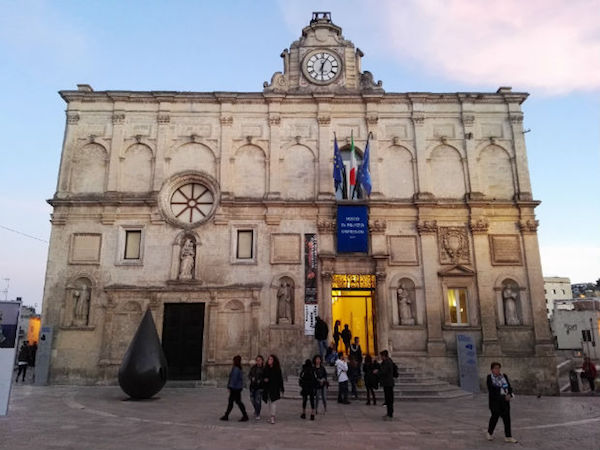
<point x="436" y="346"/>
<point x="211" y="322"/>
<point x="162" y="132"/>
<point x="226" y="151"/>
<point x="474" y="183"/>
<point x="255" y="323"/>
<point x="325" y="148"/>
<point x="274" y="176"/>
<point x="68" y="153"/>
<point x="372" y="120"/>
<point x="520" y="154"/>
<point x="324" y="290"/>
<point x="422" y="174"/>
<point x="383" y="314"/>
<point x="116" y="146"/>
<point x="543" y="338"/>
<point x="485" y="284"/>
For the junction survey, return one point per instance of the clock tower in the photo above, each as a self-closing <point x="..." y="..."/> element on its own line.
<point x="322" y="61"/>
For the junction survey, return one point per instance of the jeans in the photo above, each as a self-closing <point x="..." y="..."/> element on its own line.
<point x="322" y="348"/>
<point x="388" y="393"/>
<point x="322" y="392"/>
<point x="305" y="397"/>
<point x="235" y="395"/>
<point x="343" y="391"/>
<point x="256" y="398"/>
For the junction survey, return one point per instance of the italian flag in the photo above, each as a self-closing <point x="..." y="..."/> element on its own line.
<point x="353" y="168"/>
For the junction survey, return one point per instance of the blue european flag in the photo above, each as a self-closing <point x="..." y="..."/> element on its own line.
<point x="338" y="166"/>
<point x="364" y="176"/>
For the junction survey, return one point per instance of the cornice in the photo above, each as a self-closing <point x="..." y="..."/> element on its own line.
<point x="259" y="97"/>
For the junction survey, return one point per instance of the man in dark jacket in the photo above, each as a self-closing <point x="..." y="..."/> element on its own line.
<point x="321" y="333"/>
<point x="386" y="377"/>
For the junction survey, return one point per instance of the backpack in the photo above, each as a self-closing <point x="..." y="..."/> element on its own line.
<point x="395" y="372"/>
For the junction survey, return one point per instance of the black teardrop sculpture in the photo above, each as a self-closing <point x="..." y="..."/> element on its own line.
<point x="143" y="372"/>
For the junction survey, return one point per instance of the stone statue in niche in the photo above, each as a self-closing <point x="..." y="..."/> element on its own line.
<point x="284" y="302"/>
<point x="187" y="257"/>
<point x="81" y="309"/>
<point x="405" y="310"/>
<point x="510" y="296"/>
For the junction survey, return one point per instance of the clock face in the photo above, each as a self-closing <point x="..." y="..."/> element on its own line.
<point x="322" y="67"/>
<point x="192" y="202"/>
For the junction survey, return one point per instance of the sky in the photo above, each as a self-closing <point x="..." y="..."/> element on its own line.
<point x="548" y="48"/>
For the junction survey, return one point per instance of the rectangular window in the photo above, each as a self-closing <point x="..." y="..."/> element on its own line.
<point x="133" y="239"/>
<point x="244" y="244"/>
<point x="457" y="304"/>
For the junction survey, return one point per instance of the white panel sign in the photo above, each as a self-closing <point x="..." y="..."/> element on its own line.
<point x="9" y="320"/>
<point x="310" y="317"/>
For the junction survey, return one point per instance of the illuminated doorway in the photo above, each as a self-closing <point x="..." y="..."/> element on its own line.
<point x="352" y="304"/>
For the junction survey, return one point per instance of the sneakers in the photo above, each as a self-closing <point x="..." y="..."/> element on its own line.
<point x="257" y="417"/>
<point x="272" y="420"/>
<point x="488" y="436"/>
<point x="512" y="440"/>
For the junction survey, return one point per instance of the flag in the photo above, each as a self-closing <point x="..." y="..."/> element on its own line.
<point x="364" y="176"/>
<point x="353" y="167"/>
<point x="338" y="166"/>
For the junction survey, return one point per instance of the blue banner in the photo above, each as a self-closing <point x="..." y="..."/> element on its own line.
<point x="352" y="229"/>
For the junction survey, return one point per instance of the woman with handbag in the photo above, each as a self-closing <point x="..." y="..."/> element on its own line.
<point x="500" y="393"/>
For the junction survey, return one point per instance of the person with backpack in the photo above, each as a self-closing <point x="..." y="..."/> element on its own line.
<point x="341" y="368"/>
<point x="386" y="374"/>
<point x="308" y="384"/>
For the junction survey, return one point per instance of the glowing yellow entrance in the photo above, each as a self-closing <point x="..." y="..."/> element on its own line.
<point x="352" y="304"/>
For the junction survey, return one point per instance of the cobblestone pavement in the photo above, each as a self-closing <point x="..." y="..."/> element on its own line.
<point x="68" y="417"/>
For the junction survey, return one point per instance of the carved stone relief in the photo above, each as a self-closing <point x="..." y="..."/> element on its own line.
<point x="453" y="245"/>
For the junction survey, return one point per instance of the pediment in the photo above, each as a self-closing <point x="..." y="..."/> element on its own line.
<point x="457" y="270"/>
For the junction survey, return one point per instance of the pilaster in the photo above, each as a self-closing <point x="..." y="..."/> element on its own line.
<point x="162" y="144"/>
<point x="116" y="147"/>
<point x="325" y="188"/>
<point x="226" y="151"/>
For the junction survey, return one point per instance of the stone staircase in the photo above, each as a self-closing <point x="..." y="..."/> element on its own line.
<point x="412" y="384"/>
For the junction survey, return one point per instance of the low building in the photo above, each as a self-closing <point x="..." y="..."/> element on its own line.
<point x="556" y="288"/>
<point x="576" y="325"/>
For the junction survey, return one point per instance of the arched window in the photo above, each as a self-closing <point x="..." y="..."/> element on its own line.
<point x="346" y="191"/>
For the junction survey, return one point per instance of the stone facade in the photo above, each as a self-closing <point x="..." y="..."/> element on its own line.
<point x="556" y="288"/>
<point x="211" y="193"/>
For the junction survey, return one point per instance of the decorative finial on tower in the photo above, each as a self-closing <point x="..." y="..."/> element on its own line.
<point x="321" y="17"/>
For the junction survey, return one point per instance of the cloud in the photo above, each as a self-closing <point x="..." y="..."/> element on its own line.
<point x="579" y="263"/>
<point x="551" y="46"/>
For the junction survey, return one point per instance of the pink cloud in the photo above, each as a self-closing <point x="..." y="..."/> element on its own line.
<point x="551" y="46"/>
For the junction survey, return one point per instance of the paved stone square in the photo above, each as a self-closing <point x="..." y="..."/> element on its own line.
<point x="69" y="417"/>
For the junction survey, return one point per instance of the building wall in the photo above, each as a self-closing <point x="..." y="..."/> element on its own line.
<point x="451" y="207"/>
<point x="556" y="288"/>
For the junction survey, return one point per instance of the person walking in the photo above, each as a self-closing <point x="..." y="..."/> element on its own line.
<point x="235" y="386"/>
<point x="256" y="385"/>
<point x="346" y="338"/>
<point x="322" y="384"/>
<point x="23" y="361"/>
<point x="341" y="368"/>
<point x="273" y="384"/>
<point x="321" y="333"/>
<point x="500" y="393"/>
<point x="370" y="369"/>
<point x="386" y="377"/>
<point x="337" y="335"/>
<point x="589" y="372"/>
<point x="308" y="384"/>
